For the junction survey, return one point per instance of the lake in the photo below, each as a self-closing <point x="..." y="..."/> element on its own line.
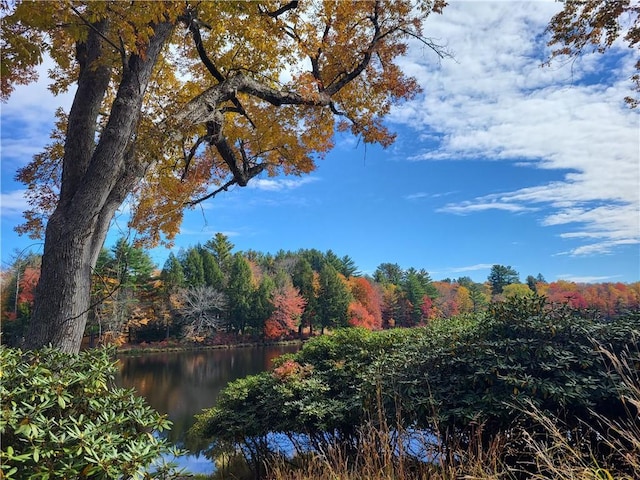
<point x="181" y="384"/>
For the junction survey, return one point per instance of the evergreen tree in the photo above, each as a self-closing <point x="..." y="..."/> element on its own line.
<point x="261" y="304"/>
<point x="221" y="248"/>
<point x="388" y="273"/>
<point x="193" y="268"/>
<point x="332" y="259"/>
<point x="414" y="291"/>
<point x="172" y="274"/>
<point x="465" y="282"/>
<point x="132" y="265"/>
<point x="239" y="292"/>
<point x="333" y="299"/>
<point x="478" y="296"/>
<point x="416" y="286"/>
<point x="501" y="276"/>
<point x="302" y="278"/>
<point x="213" y="276"/>
<point x="315" y="258"/>
<point x="348" y="267"/>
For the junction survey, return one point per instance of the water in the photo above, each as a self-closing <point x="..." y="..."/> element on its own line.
<point x="181" y="384"/>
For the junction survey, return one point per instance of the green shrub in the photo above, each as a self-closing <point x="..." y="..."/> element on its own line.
<point x="317" y="393"/>
<point x="468" y="381"/>
<point x="63" y="417"/>
<point x="523" y="354"/>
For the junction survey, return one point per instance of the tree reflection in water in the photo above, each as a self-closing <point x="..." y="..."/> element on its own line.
<point x="181" y="384"/>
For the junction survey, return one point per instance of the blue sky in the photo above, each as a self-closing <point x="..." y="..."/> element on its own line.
<point x="498" y="161"/>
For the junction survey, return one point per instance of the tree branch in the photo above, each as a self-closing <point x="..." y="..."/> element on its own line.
<point x="194" y="27"/>
<point x="205" y="106"/>
<point x="223" y="188"/>
<point x="189" y="157"/>
<point x="275" y="14"/>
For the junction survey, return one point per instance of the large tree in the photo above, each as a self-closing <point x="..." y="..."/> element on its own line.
<point x="501" y="276"/>
<point x="178" y="101"/>
<point x="334" y="298"/>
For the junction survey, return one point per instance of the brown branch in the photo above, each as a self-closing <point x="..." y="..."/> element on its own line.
<point x="193" y="25"/>
<point x="344" y="78"/>
<point x="439" y="50"/>
<point x="189" y="157"/>
<point x="205" y="106"/>
<point x="289" y="6"/>
<point x="223" y="188"/>
<point x="194" y="28"/>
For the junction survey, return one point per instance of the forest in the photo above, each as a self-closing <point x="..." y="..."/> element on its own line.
<point x="212" y="293"/>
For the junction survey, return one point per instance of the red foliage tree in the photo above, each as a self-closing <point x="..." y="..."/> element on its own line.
<point x="288" y="307"/>
<point x="27" y="287"/>
<point x="429" y="310"/>
<point x="609" y="299"/>
<point x="566" y="292"/>
<point x="369" y="298"/>
<point x="359" y="316"/>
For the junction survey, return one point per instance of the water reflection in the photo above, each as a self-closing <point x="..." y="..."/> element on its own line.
<point x="181" y="384"/>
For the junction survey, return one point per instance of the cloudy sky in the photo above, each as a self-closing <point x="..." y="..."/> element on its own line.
<point x="499" y="161"/>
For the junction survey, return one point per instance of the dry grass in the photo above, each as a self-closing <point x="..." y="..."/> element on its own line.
<point x="386" y="454"/>
<point x="563" y="460"/>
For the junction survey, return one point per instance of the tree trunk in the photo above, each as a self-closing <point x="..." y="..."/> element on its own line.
<point x="95" y="181"/>
<point x="63" y="293"/>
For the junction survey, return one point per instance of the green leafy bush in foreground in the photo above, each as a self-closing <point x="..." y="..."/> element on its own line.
<point x="62" y="417"/>
<point x="465" y="381"/>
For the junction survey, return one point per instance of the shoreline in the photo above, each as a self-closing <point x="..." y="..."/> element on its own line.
<point x="157" y="348"/>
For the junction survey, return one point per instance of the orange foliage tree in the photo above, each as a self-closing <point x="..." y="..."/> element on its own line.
<point x="288" y="306"/>
<point x="171" y="120"/>
<point x="453" y="299"/>
<point x="366" y="308"/>
<point x="610" y="299"/>
<point x="27" y="286"/>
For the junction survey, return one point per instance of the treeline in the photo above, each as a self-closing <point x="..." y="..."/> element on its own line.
<point x="211" y="293"/>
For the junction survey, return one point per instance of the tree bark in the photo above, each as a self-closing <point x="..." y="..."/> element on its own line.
<point x="96" y="180"/>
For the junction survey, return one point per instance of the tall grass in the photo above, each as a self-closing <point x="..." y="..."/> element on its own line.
<point x="620" y="438"/>
<point x="384" y="454"/>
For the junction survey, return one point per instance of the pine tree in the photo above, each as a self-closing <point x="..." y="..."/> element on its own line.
<point x="333" y="299"/>
<point x="193" y="268"/>
<point x="213" y="276"/>
<point x="239" y="292"/>
<point x="221" y="248"/>
<point x="303" y="279"/>
<point x="172" y="274"/>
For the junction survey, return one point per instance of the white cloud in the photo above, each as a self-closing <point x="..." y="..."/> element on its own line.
<point x="419" y="195"/>
<point x="495" y="102"/>
<point x="278" y="185"/>
<point x="586" y="279"/>
<point x="12" y="204"/>
<point x="28" y="117"/>
<point x="485" y="203"/>
<point x="34" y="102"/>
<point x="471" y="268"/>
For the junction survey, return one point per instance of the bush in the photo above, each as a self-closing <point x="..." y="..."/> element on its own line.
<point x="468" y="381"/>
<point x="524" y="354"/>
<point x="62" y="417"/>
